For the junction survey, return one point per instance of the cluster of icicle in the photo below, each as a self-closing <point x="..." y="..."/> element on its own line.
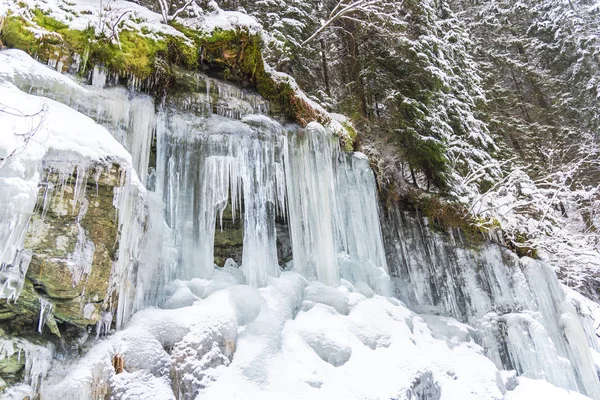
<point x="214" y="149"/>
<point x="522" y="317"/>
<point x="327" y="197"/>
<point x="37" y="360"/>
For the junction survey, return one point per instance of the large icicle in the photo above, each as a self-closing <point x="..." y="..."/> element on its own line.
<point x="359" y="231"/>
<point x="333" y="214"/>
<point x="205" y="163"/>
<point x="140" y="133"/>
<point x="311" y="196"/>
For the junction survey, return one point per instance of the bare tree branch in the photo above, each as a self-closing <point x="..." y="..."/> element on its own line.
<point x="359" y="11"/>
<point x="37" y="121"/>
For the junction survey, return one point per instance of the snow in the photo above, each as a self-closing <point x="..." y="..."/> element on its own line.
<point x="228" y="20"/>
<point x="329" y="328"/>
<point x="241" y="341"/>
<point x="539" y="389"/>
<point x="81" y="14"/>
<point x="102" y="16"/>
<point x="82" y="135"/>
<point x="19" y="68"/>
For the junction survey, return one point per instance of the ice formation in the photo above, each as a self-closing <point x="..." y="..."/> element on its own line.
<point x="37" y="361"/>
<point x="520" y="312"/>
<point x="325" y="325"/>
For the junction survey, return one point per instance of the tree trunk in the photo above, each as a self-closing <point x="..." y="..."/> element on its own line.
<point x="325" y="68"/>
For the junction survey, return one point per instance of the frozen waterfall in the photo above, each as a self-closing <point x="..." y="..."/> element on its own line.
<point x="179" y="169"/>
<point x="212" y="151"/>
<point x="521" y="315"/>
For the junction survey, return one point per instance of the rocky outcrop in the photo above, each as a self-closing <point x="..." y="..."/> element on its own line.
<point x="73" y="239"/>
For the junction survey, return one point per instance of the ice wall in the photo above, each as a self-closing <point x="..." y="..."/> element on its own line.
<point x="520" y="312"/>
<point x="333" y="216"/>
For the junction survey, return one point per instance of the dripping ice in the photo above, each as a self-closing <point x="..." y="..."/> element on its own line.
<point x="522" y="317"/>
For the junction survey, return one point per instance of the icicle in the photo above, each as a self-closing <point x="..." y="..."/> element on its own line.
<point x="140" y="132"/>
<point x="207" y="164"/>
<point x="45" y="312"/>
<point x="38" y="359"/>
<point x="103" y="324"/>
<point x="99" y="77"/>
<point x="311" y="202"/>
<point x="517" y="306"/>
<point x="144" y="263"/>
<point x="334" y="223"/>
<point x="81" y="260"/>
<point x="12" y="276"/>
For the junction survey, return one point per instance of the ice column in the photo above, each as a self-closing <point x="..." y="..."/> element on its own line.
<point x="358" y="231"/>
<point x="311" y="198"/>
<point x="333" y="212"/>
<point x="140" y="133"/>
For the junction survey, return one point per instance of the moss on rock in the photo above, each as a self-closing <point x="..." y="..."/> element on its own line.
<point x="234" y="55"/>
<point x="55" y="273"/>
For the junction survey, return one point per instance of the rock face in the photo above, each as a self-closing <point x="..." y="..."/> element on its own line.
<point x="73" y="238"/>
<point x="229" y="238"/>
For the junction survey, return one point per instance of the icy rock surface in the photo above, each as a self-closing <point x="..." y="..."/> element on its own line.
<point x="33" y="135"/>
<point x="36" y="359"/>
<point x="519" y="311"/>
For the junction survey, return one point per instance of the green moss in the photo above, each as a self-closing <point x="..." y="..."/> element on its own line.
<point x="448" y="215"/>
<point x="133" y="54"/>
<point x="520" y="244"/>
<point x="351" y="137"/>
<point x="15" y="34"/>
<point x="237" y="54"/>
<point x="240" y="53"/>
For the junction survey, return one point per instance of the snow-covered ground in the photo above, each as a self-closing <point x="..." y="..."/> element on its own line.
<point x="293" y="339"/>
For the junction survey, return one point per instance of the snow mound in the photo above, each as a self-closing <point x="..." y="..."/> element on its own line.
<point x="228" y="20"/>
<point x="317" y="292"/>
<point x="538" y="389"/>
<point x="266" y="343"/>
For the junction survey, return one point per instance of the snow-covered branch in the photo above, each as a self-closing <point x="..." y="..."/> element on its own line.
<point x="167" y="14"/>
<point x="359" y="11"/>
